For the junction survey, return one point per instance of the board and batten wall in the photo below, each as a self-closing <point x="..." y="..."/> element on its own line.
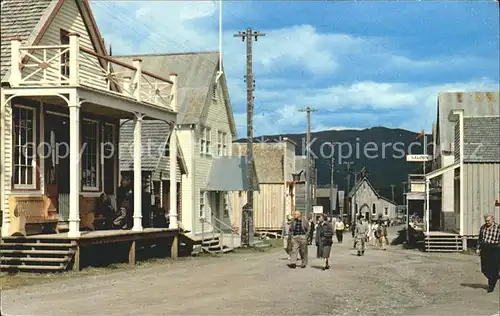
<point x="481" y="189"/>
<point x="268" y="206"/>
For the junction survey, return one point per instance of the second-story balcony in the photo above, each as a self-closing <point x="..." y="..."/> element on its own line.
<point x="73" y="65"/>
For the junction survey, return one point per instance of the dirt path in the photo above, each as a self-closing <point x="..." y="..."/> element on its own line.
<point x="392" y="282"/>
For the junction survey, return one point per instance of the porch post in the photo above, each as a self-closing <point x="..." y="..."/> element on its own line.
<point x="74" y="55"/>
<point x="173" y="177"/>
<point x="74" y="170"/>
<point x="137" y="173"/>
<point x="5" y="210"/>
<point x="15" y="62"/>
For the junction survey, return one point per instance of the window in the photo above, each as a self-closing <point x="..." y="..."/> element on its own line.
<point x="224" y="145"/>
<point x="108" y="152"/>
<point x="24" y="120"/>
<point x="374" y="211"/>
<point x="64" y="37"/>
<point x="202" y="203"/>
<point x="386" y="211"/>
<point x="357" y="210"/>
<point x="205" y="140"/>
<point x="90" y="168"/>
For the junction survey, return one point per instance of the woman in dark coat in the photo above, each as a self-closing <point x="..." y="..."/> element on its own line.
<point x="324" y="240"/>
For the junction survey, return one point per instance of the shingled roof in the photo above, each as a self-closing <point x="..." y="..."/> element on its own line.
<point x="482" y="139"/>
<point x="154" y="136"/>
<point x="21" y="18"/>
<point x="196" y="75"/>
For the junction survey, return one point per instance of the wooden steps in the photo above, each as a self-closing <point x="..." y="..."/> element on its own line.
<point x="33" y="255"/>
<point x="443" y="242"/>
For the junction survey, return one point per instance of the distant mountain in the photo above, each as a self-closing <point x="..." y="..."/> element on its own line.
<point x="382" y="151"/>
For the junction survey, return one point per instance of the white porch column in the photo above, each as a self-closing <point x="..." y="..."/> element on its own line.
<point x="15" y="62"/>
<point x="3" y="170"/>
<point x="173" y="178"/>
<point x="74" y="170"/>
<point x="137" y="173"/>
<point x="74" y="55"/>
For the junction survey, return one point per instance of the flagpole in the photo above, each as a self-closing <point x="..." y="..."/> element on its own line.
<point x="426" y="199"/>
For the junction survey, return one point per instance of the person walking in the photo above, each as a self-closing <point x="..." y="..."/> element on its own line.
<point x="285" y="235"/>
<point x="339" y="230"/>
<point x="382" y="235"/>
<point x="489" y="250"/>
<point x="361" y="236"/>
<point x="310" y="235"/>
<point x="324" y="240"/>
<point x="299" y="230"/>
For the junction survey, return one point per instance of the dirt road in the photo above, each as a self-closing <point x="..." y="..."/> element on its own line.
<point x="392" y="282"/>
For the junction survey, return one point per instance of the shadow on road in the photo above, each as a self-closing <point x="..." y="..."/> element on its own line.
<point x="475" y="285"/>
<point x="317" y="267"/>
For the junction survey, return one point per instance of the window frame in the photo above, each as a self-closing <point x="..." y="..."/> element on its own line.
<point x="224" y="145"/>
<point x="205" y="140"/>
<point x="219" y="143"/>
<point x="34" y="165"/>
<point x="386" y="211"/>
<point x="98" y="157"/>
<point x="225" y="203"/>
<point x="374" y="209"/>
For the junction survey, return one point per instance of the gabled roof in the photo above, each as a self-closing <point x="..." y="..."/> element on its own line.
<point x="29" y="19"/>
<point x="365" y="180"/>
<point x="196" y="76"/>
<point x="482" y="139"/>
<point x="154" y="141"/>
<point x="473" y="104"/>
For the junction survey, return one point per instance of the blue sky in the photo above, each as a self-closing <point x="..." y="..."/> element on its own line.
<point x="360" y="64"/>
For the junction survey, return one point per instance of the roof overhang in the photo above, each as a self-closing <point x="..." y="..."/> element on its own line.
<point x="230" y="173"/>
<point x="438" y="172"/>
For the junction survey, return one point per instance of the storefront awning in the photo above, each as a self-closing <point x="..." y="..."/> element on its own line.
<point x="230" y="174"/>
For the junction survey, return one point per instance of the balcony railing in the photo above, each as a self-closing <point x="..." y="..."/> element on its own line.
<point x="56" y="66"/>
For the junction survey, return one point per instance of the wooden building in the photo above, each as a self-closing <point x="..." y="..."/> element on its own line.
<point x="300" y="189"/>
<point x="274" y="165"/>
<point x="476" y="172"/>
<point x="328" y="198"/>
<point x="367" y="202"/>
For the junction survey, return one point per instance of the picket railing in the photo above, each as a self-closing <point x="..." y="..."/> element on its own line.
<point x="56" y="65"/>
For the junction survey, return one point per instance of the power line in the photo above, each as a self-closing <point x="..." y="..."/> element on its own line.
<point x="247" y="226"/>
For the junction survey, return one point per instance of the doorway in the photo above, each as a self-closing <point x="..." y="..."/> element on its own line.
<point x="56" y="162"/>
<point x="216" y="210"/>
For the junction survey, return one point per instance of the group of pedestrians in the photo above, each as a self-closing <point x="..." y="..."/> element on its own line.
<point x="298" y="233"/>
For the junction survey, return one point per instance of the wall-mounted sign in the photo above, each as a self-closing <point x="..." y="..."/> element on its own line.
<point x="417" y="187"/>
<point x="418" y="158"/>
<point x="318" y="209"/>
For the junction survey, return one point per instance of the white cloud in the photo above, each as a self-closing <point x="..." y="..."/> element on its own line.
<point x="294" y="67"/>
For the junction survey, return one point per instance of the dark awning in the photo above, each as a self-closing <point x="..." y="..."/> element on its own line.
<point x="230" y="174"/>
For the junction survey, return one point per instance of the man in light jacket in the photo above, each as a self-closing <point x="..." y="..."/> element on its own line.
<point x="339" y="230"/>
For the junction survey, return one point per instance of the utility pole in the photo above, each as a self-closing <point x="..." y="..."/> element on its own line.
<point x="308" y="111"/>
<point x="392" y="190"/>
<point x="331" y="184"/>
<point x="346" y="195"/>
<point x="247" y="214"/>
